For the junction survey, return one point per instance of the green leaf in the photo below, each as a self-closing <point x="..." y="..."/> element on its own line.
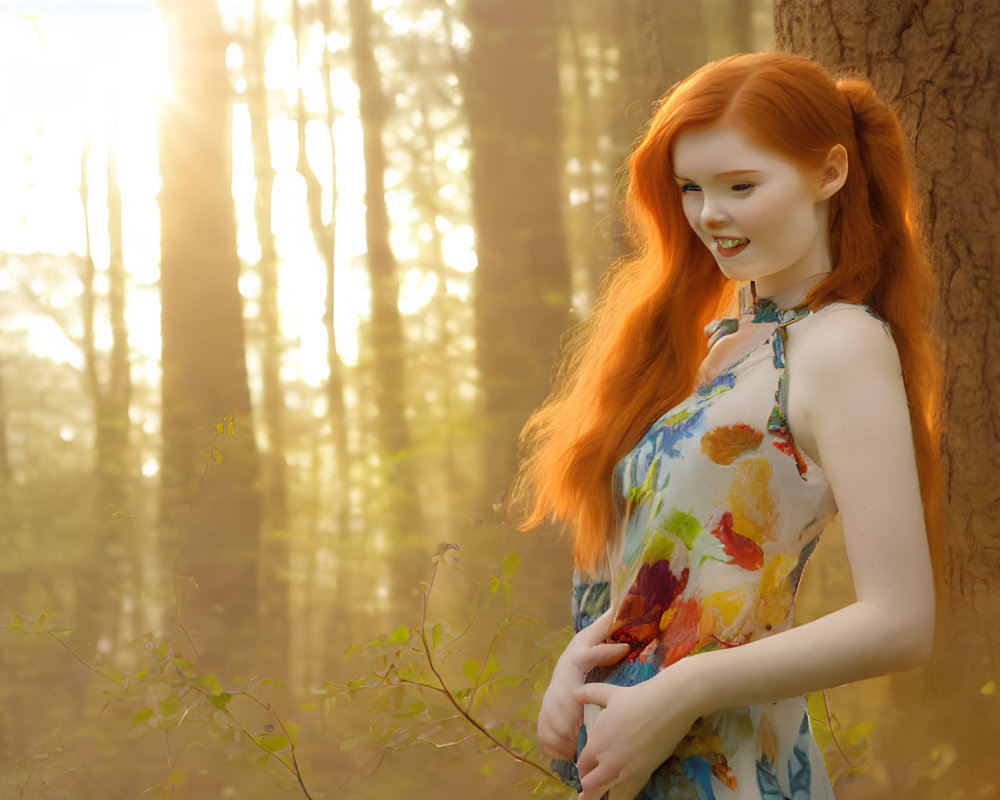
<point x="272" y="682"/>
<point x="220" y="700"/>
<point x="471" y="670"/>
<point x="437" y="635"/>
<point x="169" y="706"/>
<point x="142" y="716"/>
<point x="510" y="564"/>
<point x="399" y="636"/>
<point x="177" y="777"/>
<point x="492" y="667"/>
<point x="210" y="682"/>
<point x="272" y="742"/>
<point x="349" y="744"/>
<point x="494" y="584"/>
<point x="513" y="681"/>
<point x="217" y="455"/>
<point x="16" y="622"/>
<point x="182" y="663"/>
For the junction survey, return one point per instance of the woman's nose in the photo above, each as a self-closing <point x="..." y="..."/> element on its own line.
<point x="713" y="215"/>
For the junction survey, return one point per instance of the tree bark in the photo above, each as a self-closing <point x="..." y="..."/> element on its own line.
<point x="522" y="292"/>
<point x="658" y="44"/>
<point x="937" y="63"/>
<point x="274" y="551"/>
<point x="325" y="237"/>
<point x="400" y="487"/>
<point x="210" y="504"/>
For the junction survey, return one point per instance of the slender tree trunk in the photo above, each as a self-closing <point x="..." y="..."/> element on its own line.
<point x="659" y="42"/>
<point x="325" y="237"/>
<point x="273" y="416"/>
<point x="522" y="292"/>
<point x="4" y="449"/>
<point x="400" y="486"/>
<point x="274" y="552"/>
<point x="114" y="446"/>
<point x="938" y="63"/>
<point x="210" y="503"/>
<point x="108" y="383"/>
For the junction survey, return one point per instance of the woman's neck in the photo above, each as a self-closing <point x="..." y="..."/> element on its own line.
<point x="794" y="295"/>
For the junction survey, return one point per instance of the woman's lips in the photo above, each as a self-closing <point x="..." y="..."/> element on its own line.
<point x="729" y="247"/>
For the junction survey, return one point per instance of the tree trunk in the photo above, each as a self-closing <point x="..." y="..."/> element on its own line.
<point x="937" y="62"/>
<point x="522" y="293"/>
<point x="658" y="44"/>
<point x="325" y="237"/>
<point x="274" y="552"/>
<point x="209" y="497"/>
<point x="109" y="387"/>
<point x="400" y="487"/>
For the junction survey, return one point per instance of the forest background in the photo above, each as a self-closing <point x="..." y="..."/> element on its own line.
<point x="279" y="282"/>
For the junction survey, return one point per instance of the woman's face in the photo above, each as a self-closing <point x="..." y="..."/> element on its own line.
<point x="762" y="217"/>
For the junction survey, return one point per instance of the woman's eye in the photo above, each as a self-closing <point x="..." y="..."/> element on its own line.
<point x="690" y="187"/>
<point x="742" y="187"/>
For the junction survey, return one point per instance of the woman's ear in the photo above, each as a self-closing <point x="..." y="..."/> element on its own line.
<point x="833" y="173"/>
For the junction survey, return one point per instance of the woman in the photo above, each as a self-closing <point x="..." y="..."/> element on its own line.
<point x="698" y="471"/>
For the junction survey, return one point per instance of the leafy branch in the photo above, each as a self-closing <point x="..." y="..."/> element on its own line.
<point x="414" y="658"/>
<point x="168" y="680"/>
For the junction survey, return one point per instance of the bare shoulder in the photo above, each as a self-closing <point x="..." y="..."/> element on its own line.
<point x="842" y="343"/>
<point x="843" y="371"/>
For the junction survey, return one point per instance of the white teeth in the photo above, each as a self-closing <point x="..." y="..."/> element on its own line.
<point x="728" y="243"/>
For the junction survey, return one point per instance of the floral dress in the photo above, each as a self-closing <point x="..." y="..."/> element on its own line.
<point x="721" y="511"/>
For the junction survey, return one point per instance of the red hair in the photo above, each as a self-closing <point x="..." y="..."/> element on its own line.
<point x="636" y="356"/>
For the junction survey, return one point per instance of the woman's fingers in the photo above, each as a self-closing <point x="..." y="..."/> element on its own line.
<point x="601" y="654"/>
<point x="597" y="631"/>
<point x="559" y="740"/>
<point x="597" y="781"/>
<point x="598" y="694"/>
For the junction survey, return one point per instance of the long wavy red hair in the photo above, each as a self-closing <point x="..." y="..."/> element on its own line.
<point x="636" y="356"/>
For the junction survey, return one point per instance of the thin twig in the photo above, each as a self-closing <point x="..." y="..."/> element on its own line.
<point x="447" y="692"/>
<point x="79" y="658"/>
<point x="833" y="733"/>
<point x="291" y="751"/>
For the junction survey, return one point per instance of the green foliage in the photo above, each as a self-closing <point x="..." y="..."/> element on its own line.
<point x="441" y="682"/>
<point x="169" y="691"/>
<point x="844" y="746"/>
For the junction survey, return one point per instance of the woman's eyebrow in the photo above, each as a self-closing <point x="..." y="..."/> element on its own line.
<point x="735" y="173"/>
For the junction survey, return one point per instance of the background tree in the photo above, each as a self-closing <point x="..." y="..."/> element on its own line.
<point x="210" y="502"/>
<point x="522" y="292"/>
<point x="399" y="486"/>
<point x="937" y="63"/>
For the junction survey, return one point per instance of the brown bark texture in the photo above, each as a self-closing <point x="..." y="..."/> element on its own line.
<point x="522" y="292"/>
<point x="399" y="484"/>
<point x="937" y="62"/>
<point x="210" y="502"/>
<point x="659" y="43"/>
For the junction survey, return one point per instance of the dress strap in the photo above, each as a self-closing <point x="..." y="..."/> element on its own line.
<point x="777" y="423"/>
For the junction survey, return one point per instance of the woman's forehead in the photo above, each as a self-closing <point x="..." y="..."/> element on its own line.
<point x="722" y="151"/>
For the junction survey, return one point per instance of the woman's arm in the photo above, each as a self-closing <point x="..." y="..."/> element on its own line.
<point x="848" y="407"/>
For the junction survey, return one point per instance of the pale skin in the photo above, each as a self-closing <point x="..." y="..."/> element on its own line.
<point x="848" y="410"/>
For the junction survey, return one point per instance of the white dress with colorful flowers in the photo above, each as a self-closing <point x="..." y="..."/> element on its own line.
<point x="721" y="513"/>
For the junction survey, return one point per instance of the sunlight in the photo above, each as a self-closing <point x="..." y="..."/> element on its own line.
<point x="94" y="71"/>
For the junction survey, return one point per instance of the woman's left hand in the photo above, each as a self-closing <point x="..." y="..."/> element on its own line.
<point x="637" y="730"/>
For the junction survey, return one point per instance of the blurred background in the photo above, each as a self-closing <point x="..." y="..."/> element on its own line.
<point x="280" y="281"/>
